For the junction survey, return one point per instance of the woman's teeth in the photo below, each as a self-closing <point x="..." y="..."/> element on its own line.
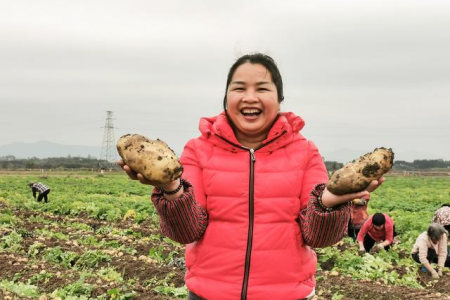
<point x="250" y="112"/>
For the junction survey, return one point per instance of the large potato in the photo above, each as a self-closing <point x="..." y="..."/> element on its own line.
<point x="357" y="175"/>
<point x="152" y="158"/>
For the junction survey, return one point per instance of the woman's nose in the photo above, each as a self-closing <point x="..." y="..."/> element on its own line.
<point x="250" y="96"/>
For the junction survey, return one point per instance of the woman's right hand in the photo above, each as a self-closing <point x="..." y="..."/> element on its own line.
<point x="138" y="176"/>
<point x="133" y="175"/>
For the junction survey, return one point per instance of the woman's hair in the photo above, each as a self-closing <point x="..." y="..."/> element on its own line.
<point x="378" y="219"/>
<point x="435" y="231"/>
<point x="262" y="59"/>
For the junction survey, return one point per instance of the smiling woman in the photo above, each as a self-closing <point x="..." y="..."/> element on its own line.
<point x="253" y="104"/>
<point x="252" y="203"/>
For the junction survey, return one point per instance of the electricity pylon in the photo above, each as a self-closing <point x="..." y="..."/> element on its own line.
<point x="108" y="155"/>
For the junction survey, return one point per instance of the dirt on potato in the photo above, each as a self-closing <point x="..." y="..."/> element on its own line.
<point x="357" y="175"/>
<point x="154" y="159"/>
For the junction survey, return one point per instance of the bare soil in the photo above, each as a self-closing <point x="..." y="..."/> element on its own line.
<point x="19" y="266"/>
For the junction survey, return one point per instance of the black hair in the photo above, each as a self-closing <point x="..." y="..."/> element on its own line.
<point x="378" y="219"/>
<point x="262" y="59"/>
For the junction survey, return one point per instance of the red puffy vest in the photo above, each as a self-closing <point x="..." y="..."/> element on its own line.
<point x="252" y="248"/>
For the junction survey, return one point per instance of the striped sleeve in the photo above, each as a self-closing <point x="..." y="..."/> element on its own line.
<point x="183" y="219"/>
<point x="319" y="227"/>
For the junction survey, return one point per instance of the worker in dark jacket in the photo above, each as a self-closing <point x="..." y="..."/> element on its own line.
<point x="41" y="189"/>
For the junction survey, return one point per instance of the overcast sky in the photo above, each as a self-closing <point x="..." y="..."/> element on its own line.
<point x="363" y="74"/>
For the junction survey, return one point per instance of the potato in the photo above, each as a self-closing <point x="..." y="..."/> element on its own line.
<point x="152" y="158"/>
<point x="357" y="175"/>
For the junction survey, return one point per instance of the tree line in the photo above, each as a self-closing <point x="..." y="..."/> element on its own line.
<point x="421" y="164"/>
<point x="10" y="162"/>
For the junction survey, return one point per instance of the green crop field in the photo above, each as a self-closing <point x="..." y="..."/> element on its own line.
<point x="98" y="238"/>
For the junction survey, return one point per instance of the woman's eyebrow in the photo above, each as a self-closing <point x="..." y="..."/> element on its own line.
<point x="237" y="82"/>
<point x="258" y="83"/>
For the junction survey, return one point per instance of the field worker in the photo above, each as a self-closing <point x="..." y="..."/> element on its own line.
<point x="358" y="215"/>
<point x="252" y="203"/>
<point x="41" y="189"/>
<point x="431" y="247"/>
<point x="442" y="216"/>
<point x="379" y="230"/>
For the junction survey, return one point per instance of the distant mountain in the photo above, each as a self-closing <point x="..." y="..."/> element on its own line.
<point x="44" y="149"/>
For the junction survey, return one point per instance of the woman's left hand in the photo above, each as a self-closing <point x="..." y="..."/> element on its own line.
<point x="331" y="200"/>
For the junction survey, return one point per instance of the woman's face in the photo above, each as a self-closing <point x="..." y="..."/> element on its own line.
<point x="378" y="227"/>
<point x="252" y="102"/>
<point x="435" y="240"/>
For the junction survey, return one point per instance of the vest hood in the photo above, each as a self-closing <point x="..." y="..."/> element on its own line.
<point x="285" y="129"/>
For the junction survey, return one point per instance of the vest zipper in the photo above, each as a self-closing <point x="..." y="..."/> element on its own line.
<point x="251" y="208"/>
